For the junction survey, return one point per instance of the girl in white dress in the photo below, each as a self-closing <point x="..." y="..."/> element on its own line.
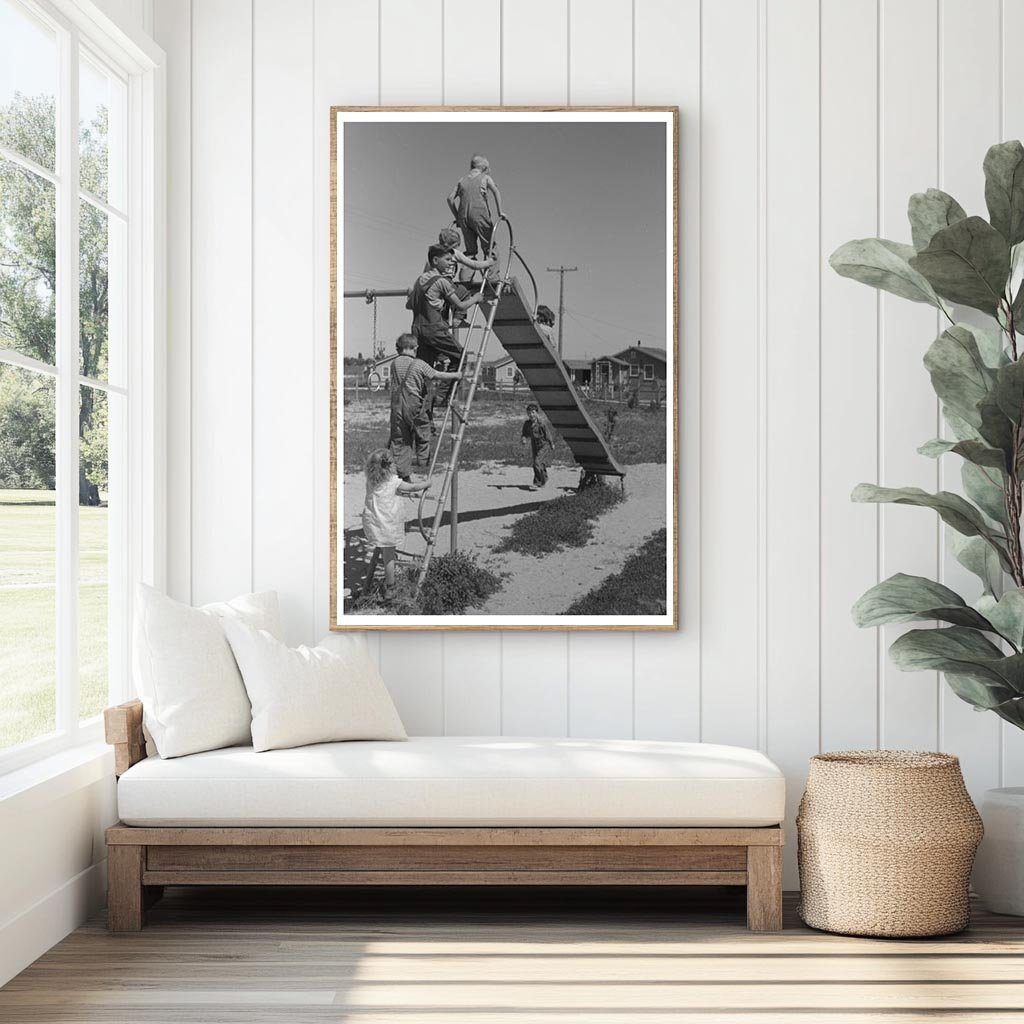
<point x="384" y="514"/>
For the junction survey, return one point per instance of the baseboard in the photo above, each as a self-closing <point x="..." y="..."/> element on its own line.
<point x="26" y="937"/>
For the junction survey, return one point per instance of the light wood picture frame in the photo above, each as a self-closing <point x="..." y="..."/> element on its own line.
<point x="452" y="504"/>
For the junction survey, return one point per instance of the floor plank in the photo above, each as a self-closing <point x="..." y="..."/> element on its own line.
<point x="496" y="956"/>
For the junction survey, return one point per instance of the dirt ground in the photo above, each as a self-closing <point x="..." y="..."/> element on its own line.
<point x="494" y="496"/>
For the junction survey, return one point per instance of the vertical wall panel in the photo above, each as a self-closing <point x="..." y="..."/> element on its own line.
<point x="472" y="53"/>
<point x="221" y="377"/>
<point x="410" y="52"/>
<point x="729" y="360"/>
<point x="414" y="673"/>
<point x="411" y="71"/>
<point x="601" y="667"/>
<point x="600" y="685"/>
<point x="909" y="414"/>
<point x="601" y="52"/>
<point x="535" y="69"/>
<point x="472" y="75"/>
<point x="535" y="699"/>
<point x="969" y="124"/>
<point x="792" y="386"/>
<point x="1012" y="127"/>
<point x="173" y="30"/>
<point x="535" y="66"/>
<point x="667" y="665"/>
<point x="283" y="308"/>
<point x="344" y="53"/>
<point x="849" y="372"/>
<point x="472" y="684"/>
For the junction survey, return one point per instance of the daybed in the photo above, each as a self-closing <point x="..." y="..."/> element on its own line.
<point x="444" y="811"/>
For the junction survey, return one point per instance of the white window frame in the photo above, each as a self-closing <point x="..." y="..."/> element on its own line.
<point x="648" y="371"/>
<point x="140" y="64"/>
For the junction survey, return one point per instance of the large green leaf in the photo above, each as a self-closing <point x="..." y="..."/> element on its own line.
<point x="953" y="510"/>
<point x="1006" y="614"/>
<point x="985" y="487"/>
<point x="1009" y="390"/>
<point x="973" y="451"/>
<point x="964" y="652"/>
<point x="932" y="211"/>
<point x="976" y="555"/>
<point x="962" y="430"/>
<point x="967" y="263"/>
<point x="958" y="372"/>
<point x="1004" y="189"/>
<point x="883" y="264"/>
<point x="990" y="345"/>
<point x="903" y="598"/>
<point x="983" y="694"/>
<point x="996" y="427"/>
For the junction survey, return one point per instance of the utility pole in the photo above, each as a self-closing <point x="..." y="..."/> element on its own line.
<point x="561" y="272"/>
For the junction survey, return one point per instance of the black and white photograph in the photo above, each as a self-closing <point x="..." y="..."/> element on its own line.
<point x="504" y="419"/>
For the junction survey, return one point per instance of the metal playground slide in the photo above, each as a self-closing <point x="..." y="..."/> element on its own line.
<point x="549" y="381"/>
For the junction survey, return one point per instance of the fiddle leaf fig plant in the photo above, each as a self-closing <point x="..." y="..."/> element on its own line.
<point x="977" y="372"/>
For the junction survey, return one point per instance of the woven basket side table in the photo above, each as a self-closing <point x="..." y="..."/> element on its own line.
<point x="886" y="841"/>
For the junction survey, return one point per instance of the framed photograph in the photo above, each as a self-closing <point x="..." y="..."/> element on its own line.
<point x="504" y="364"/>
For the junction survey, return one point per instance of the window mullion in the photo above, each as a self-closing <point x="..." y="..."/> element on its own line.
<point x="67" y="386"/>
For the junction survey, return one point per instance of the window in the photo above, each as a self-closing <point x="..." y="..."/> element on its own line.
<point x="634" y="369"/>
<point x="71" y="398"/>
<point x="648" y="371"/>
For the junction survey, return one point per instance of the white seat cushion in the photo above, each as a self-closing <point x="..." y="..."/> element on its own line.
<point x="459" y="780"/>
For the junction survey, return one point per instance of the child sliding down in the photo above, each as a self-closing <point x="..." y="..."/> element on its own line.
<point x="383" y="515"/>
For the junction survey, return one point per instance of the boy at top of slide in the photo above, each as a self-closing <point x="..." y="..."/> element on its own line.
<point x="470" y="208"/>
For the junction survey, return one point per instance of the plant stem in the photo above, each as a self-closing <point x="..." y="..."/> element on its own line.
<point x="1012" y="497"/>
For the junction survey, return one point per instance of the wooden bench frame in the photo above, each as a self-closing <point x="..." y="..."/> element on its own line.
<point x="142" y="860"/>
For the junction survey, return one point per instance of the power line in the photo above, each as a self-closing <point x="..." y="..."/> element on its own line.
<point x="619" y="327"/>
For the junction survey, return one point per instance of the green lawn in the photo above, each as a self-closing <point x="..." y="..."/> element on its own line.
<point x="28" y="524"/>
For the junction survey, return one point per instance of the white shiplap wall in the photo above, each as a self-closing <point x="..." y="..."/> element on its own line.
<point x="804" y="123"/>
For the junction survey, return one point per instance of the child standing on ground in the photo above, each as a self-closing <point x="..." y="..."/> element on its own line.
<point x="383" y="515"/>
<point x="535" y="433"/>
<point x="468" y="202"/>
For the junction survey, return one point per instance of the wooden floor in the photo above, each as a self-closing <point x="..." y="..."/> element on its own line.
<point x="486" y="957"/>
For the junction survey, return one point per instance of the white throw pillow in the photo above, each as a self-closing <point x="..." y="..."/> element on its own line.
<point x="192" y="693"/>
<point x="309" y="694"/>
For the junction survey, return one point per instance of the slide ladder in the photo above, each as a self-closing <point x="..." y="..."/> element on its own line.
<point x="456" y="414"/>
<point x="510" y="317"/>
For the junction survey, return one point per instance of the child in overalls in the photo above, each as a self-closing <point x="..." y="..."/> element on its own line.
<point x="470" y="208"/>
<point x="410" y="428"/>
<point x="433" y="292"/>
<point x="384" y="515"/>
<point x="536" y="434"/>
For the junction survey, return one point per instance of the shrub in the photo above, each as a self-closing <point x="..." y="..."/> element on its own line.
<point x="566" y="522"/>
<point x="454" y="582"/>
<point x="639" y="588"/>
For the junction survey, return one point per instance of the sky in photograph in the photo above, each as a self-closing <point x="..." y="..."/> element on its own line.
<point x="585" y="195"/>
